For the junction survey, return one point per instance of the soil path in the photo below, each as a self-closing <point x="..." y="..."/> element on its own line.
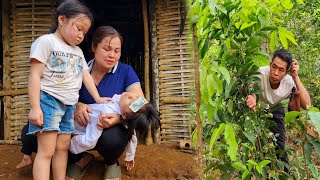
<point x="164" y="161"/>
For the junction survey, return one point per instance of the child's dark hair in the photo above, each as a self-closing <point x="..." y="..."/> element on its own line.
<point x="284" y="55"/>
<point x="70" y="9"/>
<point x="141" y="120"/>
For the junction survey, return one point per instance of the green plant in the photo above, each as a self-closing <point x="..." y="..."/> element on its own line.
<point x="231" y="35"/>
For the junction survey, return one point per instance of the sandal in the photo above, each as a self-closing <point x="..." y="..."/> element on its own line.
<point x="112" y="172"/>
<point x="76" y="172"/>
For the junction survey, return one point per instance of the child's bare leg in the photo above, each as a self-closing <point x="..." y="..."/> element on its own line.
<point x="25" y="161"/>
<point x="46" y="148"/>
<point x="60" y="157"/>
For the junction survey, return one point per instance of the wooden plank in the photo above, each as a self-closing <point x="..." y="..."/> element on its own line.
<point x="175" y="100"/>
<point x="13" y="92"/>
<point x="146" y="49"/>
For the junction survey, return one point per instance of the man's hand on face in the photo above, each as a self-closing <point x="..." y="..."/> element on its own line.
<point x="251" y="102"/>
<point x="294" y="69"/>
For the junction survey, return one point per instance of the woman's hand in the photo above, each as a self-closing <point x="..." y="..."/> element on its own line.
<point x="103" y="100"/>
<point x="36" y="116"/>
<point x="108" y="120"/>
<point x="129" y="165"/>
<point x="81" y="114"/>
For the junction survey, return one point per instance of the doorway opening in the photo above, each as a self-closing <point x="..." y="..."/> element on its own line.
<point x="126" y="17"/>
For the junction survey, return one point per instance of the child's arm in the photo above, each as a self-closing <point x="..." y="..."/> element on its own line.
<point x="131" y="151"/>
<point x="91" y="87"/>
<point x="35" y="114"/>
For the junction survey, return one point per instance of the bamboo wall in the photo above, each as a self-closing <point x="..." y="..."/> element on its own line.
<point x="176" y="74"/>
<point x="28" y="20"/>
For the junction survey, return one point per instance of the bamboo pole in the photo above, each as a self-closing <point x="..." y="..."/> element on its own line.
<point x="6" y="43"/>
<point x="154" y="62"/>
<point x="197" y="84"/>
<point x="146" y="50"/>
<point x="13" y="92"/>
<point x="6" y="34"/>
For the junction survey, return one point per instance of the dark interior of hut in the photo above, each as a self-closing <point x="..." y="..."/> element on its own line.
<point x="126" y="17"/>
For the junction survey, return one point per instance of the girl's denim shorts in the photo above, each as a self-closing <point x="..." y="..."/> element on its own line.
<point x="56" y="116"/>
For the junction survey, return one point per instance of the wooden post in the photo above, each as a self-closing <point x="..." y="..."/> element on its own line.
<point x="154" y="61"/>
<point x="146" y="50"/>
<point x="197" y="84"/>
<point x="6" y="34"/>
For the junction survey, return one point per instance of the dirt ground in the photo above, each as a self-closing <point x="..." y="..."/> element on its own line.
<point x="163" y="161"/>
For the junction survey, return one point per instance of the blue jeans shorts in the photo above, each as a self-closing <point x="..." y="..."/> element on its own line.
<point x="56" y="116"/>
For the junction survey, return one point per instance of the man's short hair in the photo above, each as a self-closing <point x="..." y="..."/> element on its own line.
<point x="284" y="55"/>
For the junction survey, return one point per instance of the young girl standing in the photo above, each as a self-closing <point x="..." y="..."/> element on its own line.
<point x="58" y="68"/>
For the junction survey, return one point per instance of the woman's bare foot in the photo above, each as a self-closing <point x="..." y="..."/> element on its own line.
<point x="26" y="161"/>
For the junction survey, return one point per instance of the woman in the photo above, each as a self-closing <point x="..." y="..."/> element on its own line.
<point x="111" y="77"/>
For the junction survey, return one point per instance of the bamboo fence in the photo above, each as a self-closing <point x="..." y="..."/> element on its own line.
<point x="29" y="19"/>
<point x="176" y="73"/>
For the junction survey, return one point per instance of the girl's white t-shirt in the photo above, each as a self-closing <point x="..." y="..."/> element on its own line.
<point x="64" y="65"/>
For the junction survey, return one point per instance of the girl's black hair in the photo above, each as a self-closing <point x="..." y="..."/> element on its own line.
<point x="146" y="117"/>
<point x="70" y="9"/>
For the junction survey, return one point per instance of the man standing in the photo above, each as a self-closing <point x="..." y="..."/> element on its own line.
<point x="277" y="81"/>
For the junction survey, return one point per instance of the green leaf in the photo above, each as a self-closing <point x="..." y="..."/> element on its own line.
<point x="315" y="119"/>
<point x="228" y="43"/>
<point x="288" y="35"/>
<point x="307" y="150"/>
<point x="228" y="88"/>
<point x="283" y="39"/>
<point x="222" y="9"/>
<point x="231" y="141"/>
<point x="193" y="13"/>
<point x="269" y="28"/>
<point x="262" y="20"/>
<point x="237" y="24"/>
<point x="291" y="115"/>
<point x="313" y="109"/>
<point x="210" y="113"/>
<point x="273" y="40"/>
<point x="264" y="162"/>
<point x="211" y="85"/>
<point x="245" y="174"/>
<point x="259" y="169"/>
<point x="216" y="133"/>
<point x="252" y="162"/>
<point x="300" y="2"/>
<point x="194" y="137"/>
<point x="225" y="73"/>
<point x="239" y="166"/>
<point x="315" y="144"/>
<point x="212" y="6"/>
<point x="314" y="170"/>
<point x="230" y="106"/>
<point x="287" y="4"/>
<point x="251" y="136"/>
<point x="246" y="25"/>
